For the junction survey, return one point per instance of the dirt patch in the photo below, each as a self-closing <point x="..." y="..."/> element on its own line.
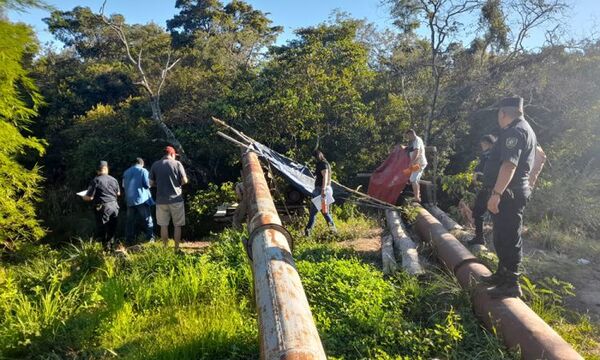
<point x="194" y="246"/>
<point x="368" y="247"/>
<point x="541" y="263"/>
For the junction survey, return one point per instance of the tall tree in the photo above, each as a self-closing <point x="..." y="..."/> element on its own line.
<point x="442" y="20"/>
<point x="236" y="28"/>
<point x="152" y="71"/>
<point x="19" y="103"/>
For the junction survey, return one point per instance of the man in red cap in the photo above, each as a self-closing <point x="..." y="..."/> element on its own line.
<point x="168" y="175"/>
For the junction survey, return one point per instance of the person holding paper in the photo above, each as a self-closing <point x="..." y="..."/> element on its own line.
<point x="136" y="184"/>
<point x="322" y="194"/>
<point x="103" y="192"/>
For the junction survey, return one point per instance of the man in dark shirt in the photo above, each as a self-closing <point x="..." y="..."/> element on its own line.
<point x="480" y="206"/>
<point x="168" y="175"/>
<point x="323" y="189"/>
<point x="103" y="192"/>
<point x="506" y="175"/>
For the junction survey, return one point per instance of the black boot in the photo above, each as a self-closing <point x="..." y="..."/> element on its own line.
<point x="495" y="279"/>
<point x="477" y="240"/>
<point x="508" y="288"/>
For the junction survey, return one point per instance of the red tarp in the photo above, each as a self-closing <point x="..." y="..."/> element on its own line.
<point x="388" y="181"/>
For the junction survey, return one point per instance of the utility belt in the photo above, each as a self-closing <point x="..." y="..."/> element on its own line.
<point x="509" y="192"/>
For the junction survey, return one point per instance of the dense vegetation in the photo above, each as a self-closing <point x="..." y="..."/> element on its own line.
<point x="82" y="303"/>
<point x="336" y="84"/>
<point x="117" y="91"/>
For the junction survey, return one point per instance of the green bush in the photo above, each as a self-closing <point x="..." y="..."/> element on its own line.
<point x="202" y="205"/>
<point x="19" y="104"/>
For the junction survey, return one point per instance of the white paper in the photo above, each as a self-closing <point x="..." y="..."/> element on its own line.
<point x="328" y="198"/>
<point x="82" y="193"/>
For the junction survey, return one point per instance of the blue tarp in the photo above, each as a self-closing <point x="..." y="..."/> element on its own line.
<point x="297" y="174"/>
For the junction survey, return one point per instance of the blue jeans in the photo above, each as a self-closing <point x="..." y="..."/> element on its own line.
<point x="134" y="213"/>
<point x="313" y="214"/>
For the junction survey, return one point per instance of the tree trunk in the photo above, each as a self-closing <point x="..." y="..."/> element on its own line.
<point x="172" y="139"/>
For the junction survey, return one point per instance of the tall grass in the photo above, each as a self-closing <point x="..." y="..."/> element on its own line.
<point x="80" y="303"/>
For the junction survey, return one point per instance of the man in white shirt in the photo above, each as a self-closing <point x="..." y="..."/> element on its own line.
<point x="416" y="151"/>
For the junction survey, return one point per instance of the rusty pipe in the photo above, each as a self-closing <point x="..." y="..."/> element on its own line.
<point x="518" y="325"/>
<point x="287" y="330"/>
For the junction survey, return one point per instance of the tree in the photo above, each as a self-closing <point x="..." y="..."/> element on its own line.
<point x="19" y="103"/>
<point x="313" y="91"/>
<point x="442" y="19"/>
<point x="152" y="75"/>
<point x="235" y="31"/>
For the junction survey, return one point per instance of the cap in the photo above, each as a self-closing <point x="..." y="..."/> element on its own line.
<point x="514" y="101"/>
<point x="169" y="150"/>
<point x="102" y="164"/>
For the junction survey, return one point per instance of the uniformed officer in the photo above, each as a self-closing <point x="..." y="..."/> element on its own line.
<point x="506" y="175"/>
<point x="480" y="207"/>
<point x="103" y="192"/>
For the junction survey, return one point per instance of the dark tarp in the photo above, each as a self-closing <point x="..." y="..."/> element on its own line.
<point x="389" y="180"/>
<point x="297" y="174"/>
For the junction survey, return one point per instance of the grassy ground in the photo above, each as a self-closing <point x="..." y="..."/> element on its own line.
<point x="80" y="303"/>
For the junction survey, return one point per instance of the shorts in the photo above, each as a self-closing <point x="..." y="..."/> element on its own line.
<point x="416" y="176"/>
<point x="166" y="212"/>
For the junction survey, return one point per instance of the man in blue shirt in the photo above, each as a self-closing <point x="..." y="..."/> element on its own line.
<point x="139" y="200"/>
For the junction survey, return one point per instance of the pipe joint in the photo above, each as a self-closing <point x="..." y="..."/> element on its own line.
<point x="272" y="226"/>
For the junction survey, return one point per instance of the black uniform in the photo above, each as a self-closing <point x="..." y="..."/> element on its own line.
<point x="105" y="189"/>
<point x="515" y="144"/>
<point x="480" y="206"/>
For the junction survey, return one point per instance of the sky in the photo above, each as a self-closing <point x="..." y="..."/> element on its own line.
<point x="582" y="19"/>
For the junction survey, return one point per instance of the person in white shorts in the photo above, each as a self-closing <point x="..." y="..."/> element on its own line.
<point x="416" y="151"/>
<point x="168" y="175"/>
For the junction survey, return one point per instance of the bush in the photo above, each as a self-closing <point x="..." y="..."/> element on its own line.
<point x="19" y="103"/>
<point x="202" y="205"/>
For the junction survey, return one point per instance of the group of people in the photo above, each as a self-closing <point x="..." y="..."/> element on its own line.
<point x="508" y="169"/>
<point x="167" y="175"/>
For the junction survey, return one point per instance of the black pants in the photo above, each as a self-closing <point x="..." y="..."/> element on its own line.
<point x="508" y="225"/>
<point x="479" y="210"/>
<point x="106" y="222"/>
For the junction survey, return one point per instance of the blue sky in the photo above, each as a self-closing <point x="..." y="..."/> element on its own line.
<point x="291" y="14"/>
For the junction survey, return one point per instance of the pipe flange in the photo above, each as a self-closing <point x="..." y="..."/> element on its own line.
<point x="281" y="229"/>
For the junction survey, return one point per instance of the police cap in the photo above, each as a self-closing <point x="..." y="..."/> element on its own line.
<point x="514" y="101"/>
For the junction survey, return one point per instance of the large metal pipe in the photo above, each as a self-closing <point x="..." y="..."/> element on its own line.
<point x="287" y="330"/>
<point x="518" y="325"/>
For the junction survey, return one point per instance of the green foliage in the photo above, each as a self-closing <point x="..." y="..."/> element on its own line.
<point x="202" y="205"/>
<point x="19" y="103"/>
<point x="222" y="33"/>
<point x="459" y="186"/>
<point x="315" y="89"/>
<point x="156" y="304"/>
<point x="547" y="299"/>
<point x="361" y="315"/>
